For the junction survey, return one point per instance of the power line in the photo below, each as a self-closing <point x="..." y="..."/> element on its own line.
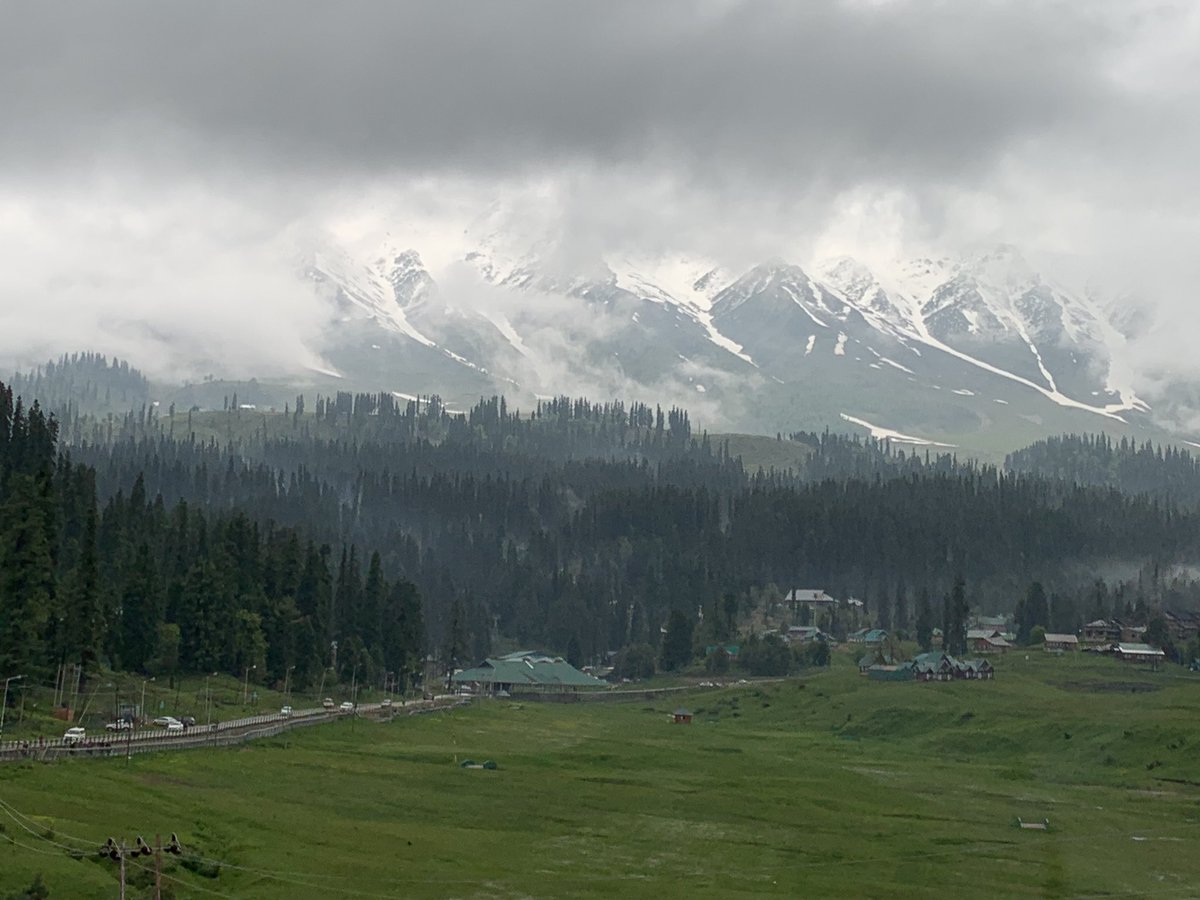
<point x="296" y="878"/>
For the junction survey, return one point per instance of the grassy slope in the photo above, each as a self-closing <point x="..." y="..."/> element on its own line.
<point x="840" y="787"/>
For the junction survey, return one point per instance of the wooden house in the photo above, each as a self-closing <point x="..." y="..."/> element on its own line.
<point x="1061" y="642"/>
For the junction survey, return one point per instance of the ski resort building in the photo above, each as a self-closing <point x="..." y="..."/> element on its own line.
<point x="525" y="671"/>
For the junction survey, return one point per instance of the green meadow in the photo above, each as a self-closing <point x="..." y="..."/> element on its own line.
<point x="828" y="785"/>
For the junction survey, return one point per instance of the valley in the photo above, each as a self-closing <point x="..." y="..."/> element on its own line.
<point x="827" y="783"/>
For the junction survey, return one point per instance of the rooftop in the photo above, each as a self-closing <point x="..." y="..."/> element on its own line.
<point x="527" y="667"/>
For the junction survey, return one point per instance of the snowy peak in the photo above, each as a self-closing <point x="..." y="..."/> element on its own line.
<point x="774" y="285"/>
<point x="860" y="287"/>
<point x="411" y="283"/>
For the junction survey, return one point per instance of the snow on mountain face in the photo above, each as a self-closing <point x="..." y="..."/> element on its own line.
<point x="684" y="320"/>
<point x="859" y="285"/>
<point x="411" y="283"/>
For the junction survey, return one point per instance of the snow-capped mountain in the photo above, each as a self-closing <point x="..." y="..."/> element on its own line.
<point x="938" y="345"/>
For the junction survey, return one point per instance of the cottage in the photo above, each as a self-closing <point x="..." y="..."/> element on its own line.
<point x="890" y="673"/>
<point x="933" y="666"/>
<point x="1184" y="626"/>
<point x="1102" y="631"/>
<point x="681" y="716"/>
<point x="1133" y="634"/>
<point x="874" y="658"/>
<point x="875" y="637"/>
<point x="804" y="634"/>
<point x="987" y="640"/>
<point x="939" y="666"/>
<point x="1061" y="642"/>
<point x="1139" y="653"/>
<point x="812" y="598"/>
<point x="976" y="669"/>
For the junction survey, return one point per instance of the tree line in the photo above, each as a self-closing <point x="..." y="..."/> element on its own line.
<point x="139" y="583"/>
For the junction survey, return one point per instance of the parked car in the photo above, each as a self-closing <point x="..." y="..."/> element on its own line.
<point x="387" y="702"/>
<point x="328" y="703"/>
<point x="286" y="712"/>
<point x="165" y="721"/>
<point x="75" y="735"/>
<point x="174" y="726"/>
<point x="346" y="706"/>
<point x="119" y="725"/>
<point x="188" y="721"/>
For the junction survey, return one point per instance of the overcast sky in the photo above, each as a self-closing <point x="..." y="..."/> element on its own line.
<point x="158" y="159"/>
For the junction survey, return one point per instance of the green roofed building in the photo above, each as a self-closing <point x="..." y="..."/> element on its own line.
<point x="526" y="671"/>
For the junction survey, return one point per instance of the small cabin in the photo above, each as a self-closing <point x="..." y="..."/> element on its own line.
<point x="682" y="716"/>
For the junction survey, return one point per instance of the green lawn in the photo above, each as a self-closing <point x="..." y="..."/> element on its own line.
<point x="831" y="785"/>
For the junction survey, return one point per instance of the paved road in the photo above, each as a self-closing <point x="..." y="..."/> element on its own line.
<point x="234" y="731"/>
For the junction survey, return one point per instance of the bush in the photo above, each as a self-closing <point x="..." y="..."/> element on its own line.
<point x="767" y="655"/>
<point x="717" y="662"/>
<point x="36" y="891"/>
<point x="635" y="661"/>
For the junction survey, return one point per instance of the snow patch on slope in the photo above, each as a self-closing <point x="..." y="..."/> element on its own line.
<point x="878" y="431"/>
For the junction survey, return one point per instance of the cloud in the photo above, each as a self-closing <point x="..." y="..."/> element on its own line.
<point x="160" y="159"/>
<point x="183" y="284"/>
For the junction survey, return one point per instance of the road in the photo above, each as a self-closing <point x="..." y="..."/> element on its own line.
<point x="221" y="734"/>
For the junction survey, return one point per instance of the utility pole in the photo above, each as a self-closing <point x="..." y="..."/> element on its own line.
<point x="4" y="702"/>
<point x="246" y="686"/>
<point x="119" y="852"/>
<point x="142" y="704"/>
<point x="286" y="675"/>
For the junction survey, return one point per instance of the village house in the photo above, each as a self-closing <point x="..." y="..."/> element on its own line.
<point x="1133" y="634"/>
<point x="890" y="672"/>
<point x="1061" y="642"/>
<point x="978" y="669"/>
<point x="1139" y="653"/>
<point x="1102" y="631"/>
<point x="939" y="666"/>
<point x="874" y="658"/>
<point x="804" y="634"/>
<point x="872" y="637"/>
<point x="987" y="640"/>
<point x="815" y="600"/>
<point x="933" y="666"/>
<point x="1184" y="626"/>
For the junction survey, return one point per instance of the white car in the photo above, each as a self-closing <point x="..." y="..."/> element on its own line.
<point x="119" y="725"/>
<point x="286" y="712"/>
<point x="346" y="706"/>
<point x="167" y="722"/>
<point x="74" y="735"/>
<point x="387" y="702"/>
<point x="174" y="726"/>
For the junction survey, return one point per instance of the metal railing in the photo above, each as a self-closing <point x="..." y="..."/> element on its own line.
<point x="218" y="734"/>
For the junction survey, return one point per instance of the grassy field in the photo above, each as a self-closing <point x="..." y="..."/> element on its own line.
<point x="825" y="786"/>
